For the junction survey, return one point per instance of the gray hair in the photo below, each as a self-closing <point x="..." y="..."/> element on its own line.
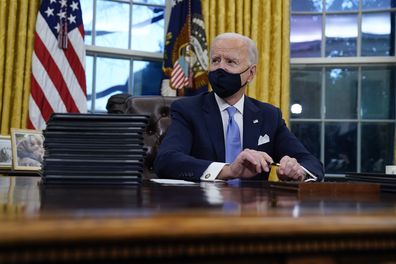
<point x="252" y="49"/>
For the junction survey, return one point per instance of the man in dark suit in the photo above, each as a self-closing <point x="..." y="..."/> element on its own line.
<point x="226" y="135"/>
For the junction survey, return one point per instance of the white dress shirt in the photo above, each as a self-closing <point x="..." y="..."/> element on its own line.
<point x="213" y="170"/>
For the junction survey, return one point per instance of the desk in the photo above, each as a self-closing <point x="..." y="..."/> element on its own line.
<point x="203" y="223"/>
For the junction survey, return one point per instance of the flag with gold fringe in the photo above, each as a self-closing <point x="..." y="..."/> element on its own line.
<point x="58" y="74"/>
<point x="186" y="51"/>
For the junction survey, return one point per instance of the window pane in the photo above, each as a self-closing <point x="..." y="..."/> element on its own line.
<point x="112" y="24"/>
<point x="89" y="79"/>
<point x="87" y="13"/>
<point x="378" y="92"/>
<point x="144" y="71"/>
<point x="378" y="4"/>
<point x="111" y="78"/>
<point x="154" y="2"/>
<point x="341" y="34"/>
<point x="306" y="93"/>
<point x="377" y="146"/>
<point x="305" y="36"/>
<point x="307" y="5"/>
<point x="341" y="5"/>
<point x="148" y="28"/>
<point x="341" y="93"/>
<point x="309" y="134"/>
<point x="340" y="147"/>
<point x="377" y="39"/>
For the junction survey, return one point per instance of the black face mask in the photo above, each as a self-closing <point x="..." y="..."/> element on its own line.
<point x="225" y="84"/>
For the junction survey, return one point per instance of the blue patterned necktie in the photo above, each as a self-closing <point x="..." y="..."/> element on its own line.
<point x="233" y="137"/>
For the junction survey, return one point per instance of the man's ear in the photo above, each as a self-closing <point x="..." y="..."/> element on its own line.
<point x="252" y="72"/>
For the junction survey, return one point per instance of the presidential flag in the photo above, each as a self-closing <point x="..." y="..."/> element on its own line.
<point x="186" y="52"/>
<point x="58" y="75"/>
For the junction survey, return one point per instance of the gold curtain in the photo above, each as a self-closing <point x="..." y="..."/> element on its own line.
<point x="17" y="24"/>
<point x="267" y="23"/>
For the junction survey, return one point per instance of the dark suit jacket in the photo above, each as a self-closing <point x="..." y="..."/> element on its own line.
<point x="195" y="138"/>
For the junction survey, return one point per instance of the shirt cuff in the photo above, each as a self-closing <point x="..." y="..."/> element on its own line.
<point x="309" y="176"/>
<point x="211" y="173"/>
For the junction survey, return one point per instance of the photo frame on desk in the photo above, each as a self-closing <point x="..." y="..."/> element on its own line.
<point x="27" y="149"/>
<point x="5" y="152"/>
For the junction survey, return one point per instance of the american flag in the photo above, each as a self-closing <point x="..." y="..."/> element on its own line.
<point x="180" y="76"/>
<point x="58" y="75"/>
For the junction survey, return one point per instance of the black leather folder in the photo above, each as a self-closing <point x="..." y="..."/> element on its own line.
<point x="386" y="181"/>
<point x="94" y="118"/>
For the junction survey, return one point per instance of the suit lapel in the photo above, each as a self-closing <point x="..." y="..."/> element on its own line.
<point x="215" y="125"/>
<point x="252" y="121"/>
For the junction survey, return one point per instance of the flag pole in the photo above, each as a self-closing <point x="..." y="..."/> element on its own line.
<point x="189" y="51"/>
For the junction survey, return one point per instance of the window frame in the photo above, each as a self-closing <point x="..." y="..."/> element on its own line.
<point x="119" y="53"/>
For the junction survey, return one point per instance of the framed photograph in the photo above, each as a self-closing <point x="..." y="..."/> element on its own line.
<point x="27" y="149"/>
<point x="5" y="152"/>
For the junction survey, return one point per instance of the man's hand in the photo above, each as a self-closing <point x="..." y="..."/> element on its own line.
<point x="290" y="170"/>
<point x="247" y="164"/>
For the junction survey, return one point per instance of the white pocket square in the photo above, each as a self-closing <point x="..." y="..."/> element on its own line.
<point x="263" y="139"/>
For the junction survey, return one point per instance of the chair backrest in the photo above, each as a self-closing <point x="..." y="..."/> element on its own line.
<point x="158" y="108"/>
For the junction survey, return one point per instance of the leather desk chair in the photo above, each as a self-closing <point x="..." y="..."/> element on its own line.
<point x="158" y="108"/>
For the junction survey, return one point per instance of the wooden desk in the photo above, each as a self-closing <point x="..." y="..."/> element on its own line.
<point x="203" y="223"/>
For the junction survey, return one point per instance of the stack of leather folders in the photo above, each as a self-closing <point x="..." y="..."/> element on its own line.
<point x="94" y="148"/>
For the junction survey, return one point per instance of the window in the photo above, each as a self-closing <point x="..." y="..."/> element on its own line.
<point x="125" y="42"/>
<point x="343" y="81"/>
